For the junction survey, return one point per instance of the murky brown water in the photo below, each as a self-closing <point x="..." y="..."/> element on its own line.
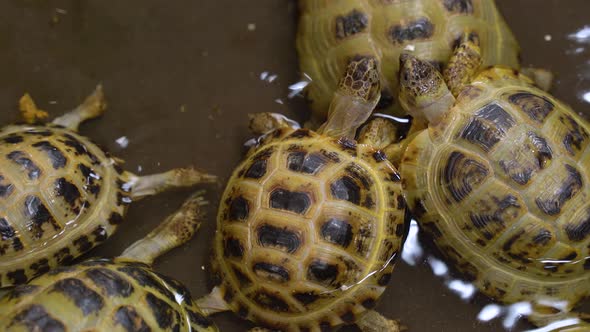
<point x="156" y="57"/>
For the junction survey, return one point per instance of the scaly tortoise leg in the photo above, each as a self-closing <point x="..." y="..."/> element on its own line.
<point x="543" y="78"/>
<point x="142" y="186"/>
<point x="372" y="321"/>
<point x="175" y="230"/>
<point x="464" y="63"/>
<point x="92" y="107"/>
<point x="29" y="111"/>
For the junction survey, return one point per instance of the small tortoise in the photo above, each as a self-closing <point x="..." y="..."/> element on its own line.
<point x="121" y="294"/>
<point x="500" y="180"/>
<point x="331" y="33"/>
<point x="311" y="223"/>
<point x="60" y="194"/>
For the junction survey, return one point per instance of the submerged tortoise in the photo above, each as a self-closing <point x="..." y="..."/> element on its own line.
<point x="500" y="181"/>
<point x="60" y="194"/>
<point x="121" y="294"/>
<point x="331" y="33"/>
<point x="311" y="223"/>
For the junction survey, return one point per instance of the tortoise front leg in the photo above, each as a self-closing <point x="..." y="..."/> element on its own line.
<point x="372" y="321"/>
<point x="142" y="186"/>
<point x="92" y="107"/>
<point x="464" y="63"/>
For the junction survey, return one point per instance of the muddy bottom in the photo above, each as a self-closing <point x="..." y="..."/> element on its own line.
<point x="181" y="77"/>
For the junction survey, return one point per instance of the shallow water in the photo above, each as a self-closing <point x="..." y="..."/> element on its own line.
<point x="180" y="79"/>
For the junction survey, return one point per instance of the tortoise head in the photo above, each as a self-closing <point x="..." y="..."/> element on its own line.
<point x="423" y="91"/>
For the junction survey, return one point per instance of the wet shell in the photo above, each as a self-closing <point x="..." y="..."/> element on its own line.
<point x="331" y="33"/>
<point x="308" y="231"/>
<point x="104" y="295"/>
<point x="501" y="185"/>
<point x="60" y="195"/>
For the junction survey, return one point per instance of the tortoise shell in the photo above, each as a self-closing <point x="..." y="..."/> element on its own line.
<point x="60" y="195"/>
<point x="309" y="229"/>
<point x="331" y="33"/>
<point x="501" y="186"/>
<point x="102" y="295"/>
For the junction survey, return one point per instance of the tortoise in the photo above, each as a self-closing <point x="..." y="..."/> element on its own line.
<point x="331" y="33"/>
<point x="60" y="194"/>
<point x="310" y="224"/>
<point x="121" y="294"/>
<point x="499" y="180"/>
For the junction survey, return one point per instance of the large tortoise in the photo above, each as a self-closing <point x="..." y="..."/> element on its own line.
<point x="311" y="223"/>
<point x="500" y="181"/>
<point x="60" y="194"/>
<point x="116" y="295"/>
<point x="331" y="33"/>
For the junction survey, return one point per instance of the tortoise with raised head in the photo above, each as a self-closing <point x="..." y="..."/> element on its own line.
<point x="311" y="223"/>
<point x="121" y="294"/>
<point x="331" y="33"/>
<point x="60" y="194"/>
<point x="500" y="180"/>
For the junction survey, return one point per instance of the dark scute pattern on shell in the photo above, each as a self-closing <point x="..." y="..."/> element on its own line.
<point x="35" y="318"/>
<point x="461" y="174"/>
<point x="146" y="279"/>
<point x="21" y="159"/>
<point x="162" y="311"/>
<point x="459" y="6"/>
<point x="130" y="320"/>
<point x="345" y="188"/>
<point x="257" y="169"/>
<point x="421" y="28"/>
<point x="305" y="163"/>
<point x="37" y="215"/>
<point x="69" y="192"/>
<point x="21" y="291"/>
<point x="536" y="107"/>
<point x="5" y="188"/>
<point x="233" y="248"/>
<point x="576" y="139"/>
<point x="488" y="126"/>
<point x="297" y="202"/>
<point x="57" y="158"/>
<point x="110" y="282"/>
<point x="17" y="276"/>
<point x="568" y="189"/>
<point x="270" y="301"/>
<point x="85" y="298"/>
<point x="271" y="236"/>
<point x="579" y="231"/>
<point x="198" y="319"/>
<point x="271" y="271"/>
<point x="322" y="272"/>
<point x="239" y="208"/>
<point x="6" y="231"/>
<point x="351" y="24"/>
<point x="337" y="231"/>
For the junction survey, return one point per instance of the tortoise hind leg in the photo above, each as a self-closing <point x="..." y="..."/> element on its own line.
<point x="29" y="111"/>
<point x="177" y="229"/>
<point x="92" y="107"/>
<point x="543" y="78"/>
<point x="372" y="321"/>
<point x="142" y="186"/>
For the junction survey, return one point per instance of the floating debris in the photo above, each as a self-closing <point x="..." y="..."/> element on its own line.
<point x="251" y="26"/>
<point x="581" y="36"/>
<point x="268" y="77"/>
<point x="464" y="289"/>
<point x="489" y="312"/>
<point x="123" y="141"/>
<point x="298" y="87"/>
<point x="279" y="101"/>
<point x="548" y="37"/>
<point x="412" y="252"/>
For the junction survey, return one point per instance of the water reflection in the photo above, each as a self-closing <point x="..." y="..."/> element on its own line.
<point x="414" y="254"/>
<point x="581" y="40"/>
